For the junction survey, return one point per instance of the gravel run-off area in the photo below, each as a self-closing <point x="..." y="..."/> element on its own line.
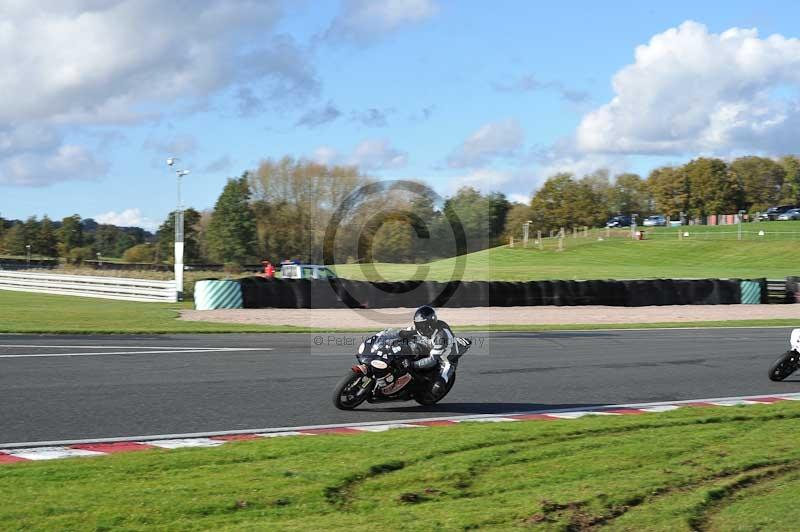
<point x="397" y="317"/>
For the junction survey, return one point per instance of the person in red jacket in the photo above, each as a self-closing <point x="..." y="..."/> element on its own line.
<point x="269" y="269"/>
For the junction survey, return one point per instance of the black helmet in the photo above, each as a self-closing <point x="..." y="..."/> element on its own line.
<point x="425" y="320"/>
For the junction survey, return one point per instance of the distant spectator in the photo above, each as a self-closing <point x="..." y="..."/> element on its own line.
<point x="269" y="269"/>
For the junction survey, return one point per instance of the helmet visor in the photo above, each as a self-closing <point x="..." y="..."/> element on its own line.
<point x="424" y="327"/>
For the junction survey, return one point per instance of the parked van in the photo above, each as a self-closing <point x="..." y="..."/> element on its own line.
<point x="306" y="271"/>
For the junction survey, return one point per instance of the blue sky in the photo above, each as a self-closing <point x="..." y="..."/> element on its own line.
<point x="496" y="95"/>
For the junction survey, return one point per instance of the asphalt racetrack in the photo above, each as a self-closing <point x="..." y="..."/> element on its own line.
<point x="83" y="387"/>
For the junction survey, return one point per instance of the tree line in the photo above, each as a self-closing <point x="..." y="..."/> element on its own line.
<point x="701" y="187"/>
<point x="71" y="238"/>
<point x="286" y="208"/>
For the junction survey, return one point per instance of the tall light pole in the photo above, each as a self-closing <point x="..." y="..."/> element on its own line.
<point x="178" y="230"/>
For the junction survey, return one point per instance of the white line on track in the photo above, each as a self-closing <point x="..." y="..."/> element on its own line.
<point x="661" y="406"/>
<point x="174" y="351"/>
<point x="95" y="346"/>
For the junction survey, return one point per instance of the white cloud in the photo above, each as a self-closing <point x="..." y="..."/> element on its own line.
<point x="127" y="218"/>
<point x="324" y="155"/>
<point x="98" y="59"/>
<point x="692" y="91"/>
<point x="368" y="20"/>
<point x="563" y="158"/>
<point x="68" y="162"/>
<point x="520" y="198"/>
<point x="492" y="140"/>
<point x="179" y="144"/>
<point x="483" y="179"/>
<point x="370" y="154"/>
<point x="377" y="154"/>
<point x="113" y="62"/>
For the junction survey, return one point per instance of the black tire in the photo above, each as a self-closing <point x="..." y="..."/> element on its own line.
<point x="784" y="366"/>
<point x="343" y="396"/>
<point x="427" y="398"/>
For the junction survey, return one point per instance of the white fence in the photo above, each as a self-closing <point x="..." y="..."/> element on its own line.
<point x="89" y="286"/>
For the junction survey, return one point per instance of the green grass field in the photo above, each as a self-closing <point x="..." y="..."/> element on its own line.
<point x="22" y="312"/>
<point x="615" y="258"/>
<point x="734" y="468"/>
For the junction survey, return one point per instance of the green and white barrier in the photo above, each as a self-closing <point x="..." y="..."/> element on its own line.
<point x="751" y="292"/>
<point x="211" y="295"/>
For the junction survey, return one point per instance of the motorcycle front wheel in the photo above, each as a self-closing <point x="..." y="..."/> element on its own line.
<point x="427" y="398"/>
<point x="784" y="366"/>
<point x="348" y="394"/>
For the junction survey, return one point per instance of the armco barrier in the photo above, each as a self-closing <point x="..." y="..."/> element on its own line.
<point x="214" y="294"/>
<point x="89" y="286"/>
<point x="258" y="292"/>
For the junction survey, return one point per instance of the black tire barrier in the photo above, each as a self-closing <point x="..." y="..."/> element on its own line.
<point x="259" y="292"/>
<point x="451" y="294"/>
<point x="793" y="289"/>
<point x="324" y="294"/>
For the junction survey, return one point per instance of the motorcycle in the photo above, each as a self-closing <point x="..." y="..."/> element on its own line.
<point x="385" y="373"/>
<point x="788" y="362"/>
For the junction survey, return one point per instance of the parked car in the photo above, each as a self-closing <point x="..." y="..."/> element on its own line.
<point x="792" y="214"/>
<point x="619" y="221"/>
<point x="306" y="271"/>
<point x="773" y="212"/>
<point x="655" y="221"/>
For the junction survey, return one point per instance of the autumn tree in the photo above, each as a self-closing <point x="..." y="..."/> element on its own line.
<point x="790" y="192"/>
<point x="140" y="253"/>
<point x="294" y="200"/>
<point x="70" y="234"/>
<point x="629" y="194"/>
<point x="669" y="187"/>
<point x="566" y="202"/>
<point x="518" y="214"/>
<point x="760" y="181"/>
<point x="47" y="241"/>
<point x="14" y="240"/>
<point x="232" y="229"/>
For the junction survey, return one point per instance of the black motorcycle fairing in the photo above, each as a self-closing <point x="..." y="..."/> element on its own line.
<point x="386" y="361"/>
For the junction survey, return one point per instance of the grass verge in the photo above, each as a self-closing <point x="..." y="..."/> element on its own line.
<point x="692" y="469"/>
<point x="22" y="312"/>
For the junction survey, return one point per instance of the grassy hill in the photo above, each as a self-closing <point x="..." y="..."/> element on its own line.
<point x="661" y="256"/>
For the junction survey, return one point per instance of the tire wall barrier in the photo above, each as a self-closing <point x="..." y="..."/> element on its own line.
<point x="259" y="292"/>
<point x="793" y="288"/>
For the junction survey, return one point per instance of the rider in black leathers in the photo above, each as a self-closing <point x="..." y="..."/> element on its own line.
<point x="435" y="337"/>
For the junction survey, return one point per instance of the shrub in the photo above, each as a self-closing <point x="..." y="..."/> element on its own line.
<point x="139" y="253"/>
<point x="78" y="255"/>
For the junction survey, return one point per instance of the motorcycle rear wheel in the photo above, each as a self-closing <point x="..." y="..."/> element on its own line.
<point x="784" y="366"/>
<point x="346" y="395"/>
<point x="427" y="398"/>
